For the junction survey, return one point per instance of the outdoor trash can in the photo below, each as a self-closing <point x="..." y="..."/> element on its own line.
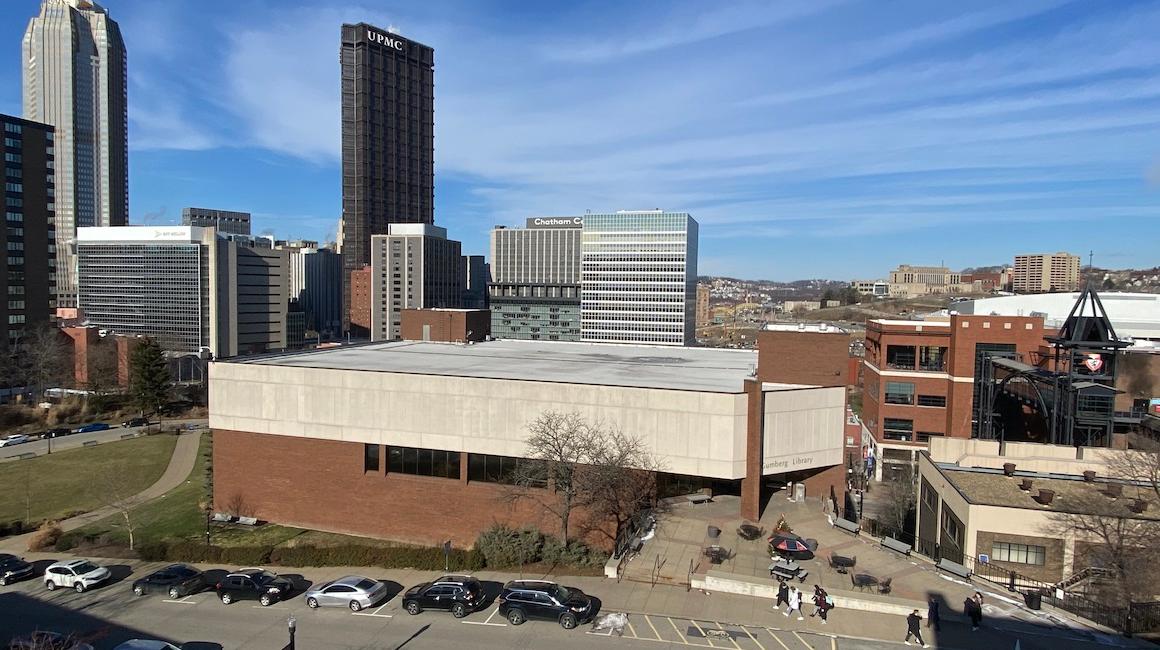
<point x="1034" y="599"/>
<point x="714" y="532"/>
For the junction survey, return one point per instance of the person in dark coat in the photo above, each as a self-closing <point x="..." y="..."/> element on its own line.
<point x="782" y="594"/>
<point x="932" y="613"/>
<point x="971" y="609"/>
<point x="914" y="629"/>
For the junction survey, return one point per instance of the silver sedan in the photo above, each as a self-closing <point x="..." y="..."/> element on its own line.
<point x="355" y="592"/>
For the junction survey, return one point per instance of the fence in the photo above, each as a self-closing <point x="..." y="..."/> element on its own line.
<point x="1137" y="617"/>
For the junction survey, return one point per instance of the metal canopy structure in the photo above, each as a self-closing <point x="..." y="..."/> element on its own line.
<point x="1069" y="398"/>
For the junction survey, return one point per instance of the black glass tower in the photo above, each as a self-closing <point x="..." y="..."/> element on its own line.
<point x="388" y="140"/>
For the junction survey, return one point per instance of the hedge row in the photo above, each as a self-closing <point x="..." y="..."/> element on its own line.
<point x="387" y="557"/>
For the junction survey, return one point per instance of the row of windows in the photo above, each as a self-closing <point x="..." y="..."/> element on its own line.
<point x="1019" y="553"/>
<point x="440" y="463"/>
<point x="13" y="128"/>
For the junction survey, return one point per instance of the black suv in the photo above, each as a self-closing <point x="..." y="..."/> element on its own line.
<point x="135" y="422"/>
<point x="13" y="568"/>
<point x="524" y="599"/>
<point x="459" y="594"/>
<point x="176" y="579"/>
<point x="268" y="588"/>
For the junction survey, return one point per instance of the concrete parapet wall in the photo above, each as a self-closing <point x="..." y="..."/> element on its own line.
<point x="732" y="583"/>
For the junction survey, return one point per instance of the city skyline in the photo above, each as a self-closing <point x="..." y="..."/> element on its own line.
<point x="1035" y="119"/>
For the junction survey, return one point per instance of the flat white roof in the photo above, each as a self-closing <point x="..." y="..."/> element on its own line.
<point x="712" y="370"/>
<point x="936" y="323"/>
<point x="1132" y="314"/>
<point x="823" y="328"/>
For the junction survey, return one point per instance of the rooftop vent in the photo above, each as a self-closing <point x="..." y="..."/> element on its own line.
<point x="1025" y="485"/>
<point x="1089" y="476"/>
<point x="1138" y="506"/>
<point x="1113" y="490"/>
<point x="1045" y="496"/>
<point x="1008" y="469"/>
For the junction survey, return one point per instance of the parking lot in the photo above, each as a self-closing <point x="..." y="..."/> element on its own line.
<point x="111" y="613"/>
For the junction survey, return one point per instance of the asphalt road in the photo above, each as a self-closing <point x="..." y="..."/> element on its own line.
<point x="111" y="614"/>
<point x="72" y="441"/>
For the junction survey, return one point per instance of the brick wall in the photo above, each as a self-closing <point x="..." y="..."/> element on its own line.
<point x="320" y="485"/>
<point x="1052" y="569"/>
<point x="360" y="302"/>
<point x="813" y="358"/>
<point x="447" y="326"/>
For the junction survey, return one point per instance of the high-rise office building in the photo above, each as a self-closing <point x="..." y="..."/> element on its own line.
<point x="476" y="275"/>
<point x="414" y="266"/>
<point x="388" y="139"/>
<point x="224" y="221"/>
<point x="27" y="241"/>
<point x="75" y="79"/>
<point x="639" y="278"/>
<point x="186" y="286"/>
<point x="1045" y="272"/>
<point x="316" y="283"/>
<point x="535" y="288"/>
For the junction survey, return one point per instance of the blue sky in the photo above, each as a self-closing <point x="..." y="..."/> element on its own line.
<point x="820" y="138"/>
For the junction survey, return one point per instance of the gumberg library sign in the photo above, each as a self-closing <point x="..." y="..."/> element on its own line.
<point x="555" y="222"/>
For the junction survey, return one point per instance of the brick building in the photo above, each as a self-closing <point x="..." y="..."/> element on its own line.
<point x="360" y="303"/>
<point x="446" y="325"/>
<point x="918" y="377"/>
<point x="385" y="430"/>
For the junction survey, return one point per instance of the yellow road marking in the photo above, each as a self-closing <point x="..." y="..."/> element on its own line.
<point x="703" y="635"/>
<point x="654" y="628"/>
<point x="833" y="643"/>
<point x="632" y="630"/>
<point x="780" y="642"/>
<point x="752" y="638"/>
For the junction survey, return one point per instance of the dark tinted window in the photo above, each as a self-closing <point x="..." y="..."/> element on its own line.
<point x="366" y="585"/>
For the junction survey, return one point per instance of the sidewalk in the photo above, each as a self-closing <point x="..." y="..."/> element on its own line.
<point x="181" y="463"/>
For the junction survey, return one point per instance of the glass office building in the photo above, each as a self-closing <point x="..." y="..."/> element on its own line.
<point x="639" y="278"/>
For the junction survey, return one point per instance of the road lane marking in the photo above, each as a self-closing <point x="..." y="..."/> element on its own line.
<point x="799" y="638"/>
<point x="703" y="635"/>
<point x="488" y="621"/>
<point x="372" y="614"/>
<point x="753" y="638"/>
<point x="677" y="630"/>
<point x="631" y="629"/>
<point x="833" y="643"/>
<point x="180" y="601"/>
<point x="730" y="636"/>
<point x="654" y="628"/>
<point x="779" y="641"/>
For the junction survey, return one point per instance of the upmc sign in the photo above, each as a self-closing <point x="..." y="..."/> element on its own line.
<point x="555" y="222"/>
<point x="385" y="39"/>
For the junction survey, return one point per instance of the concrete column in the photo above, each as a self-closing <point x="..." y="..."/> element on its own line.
<point x="463" y="468"/>
<point x="754" y="450"/>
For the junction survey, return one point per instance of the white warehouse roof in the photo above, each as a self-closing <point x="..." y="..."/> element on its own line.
<point x="1135" y="315"/>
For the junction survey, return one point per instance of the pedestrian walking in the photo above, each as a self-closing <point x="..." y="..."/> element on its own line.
<point x="827" y="605"/>
<point x="914" y="629"/>
<point x="782" y="594"/>
<point x="973" y="612"/>
<point x="817" y="601"/>
<point x="932" y="613"/>
<point x="795" y="603"/>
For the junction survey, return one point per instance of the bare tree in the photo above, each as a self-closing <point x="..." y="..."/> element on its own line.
<point x="600" y="469"/>
<point x="1139" y="464"/>
<point x="115" y="492"/>
<point x="39" y="360"/>
<point x="898" y="503"/>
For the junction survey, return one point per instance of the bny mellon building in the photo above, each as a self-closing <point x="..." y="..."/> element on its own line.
<point x="74" y="75"/>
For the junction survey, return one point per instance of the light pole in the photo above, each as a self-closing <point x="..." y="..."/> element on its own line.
<point x="292" y="625"/>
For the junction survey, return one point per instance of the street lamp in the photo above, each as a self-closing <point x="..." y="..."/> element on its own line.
<point x="292" y="625"/>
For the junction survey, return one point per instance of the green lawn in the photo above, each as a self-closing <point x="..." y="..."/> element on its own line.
<point x="72" y="481"/>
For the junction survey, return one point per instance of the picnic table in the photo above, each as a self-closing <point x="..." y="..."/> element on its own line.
<point x="863" y="580"/>
<point x="842" y="564"/>
<point x="787" y="570"/>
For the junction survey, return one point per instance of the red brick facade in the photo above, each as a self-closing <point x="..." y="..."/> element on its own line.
<point x="804" y="357"/>
<point x="954" y="381"/>
<point x="360" y="302"/>
<point x="321" y="485"/>
<point x="445" y="325"/>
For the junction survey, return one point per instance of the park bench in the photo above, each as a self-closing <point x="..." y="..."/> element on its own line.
<point x="90" y="443"/>
<point x="222" y="518"/>
<point x="896" y="546"/>
<point x="248" y="521"/>
<point x="954" y="567"/>
<point x="699" y="498"/>
<point x="848" y="526"/>
<point x="26" y="455"/>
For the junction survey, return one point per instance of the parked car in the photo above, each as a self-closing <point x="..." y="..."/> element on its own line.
<point x="58" y="432"/>
<point x="146" y="644"/>
<point x="45" y="640"/>
<point x="135" y="422"/>
<point x="176" y="579"/>
<point x="524" y="599"/>
<point x="95" y="426"/>
<point x="460" y="595"/>
<point x="266" y="587"/>
<point x="13" y="568"/>
<point x="78" y="574"/>
<point x="355" y="592"/>
<point x="14" y="439"/>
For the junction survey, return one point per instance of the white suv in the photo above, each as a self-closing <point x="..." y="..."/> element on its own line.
<point x="78" y="574"/>
<point x="15" y="439"/>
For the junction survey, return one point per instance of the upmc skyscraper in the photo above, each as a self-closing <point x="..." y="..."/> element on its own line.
<point x="388" y="139"/>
